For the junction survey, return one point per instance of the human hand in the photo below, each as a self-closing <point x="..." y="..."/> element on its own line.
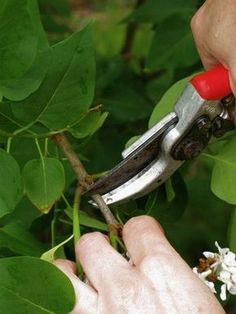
<point x="214" y="29"/>
<point x="156" y="281"/>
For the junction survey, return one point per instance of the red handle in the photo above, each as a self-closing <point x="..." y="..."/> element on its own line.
<point x="213" y="84"/>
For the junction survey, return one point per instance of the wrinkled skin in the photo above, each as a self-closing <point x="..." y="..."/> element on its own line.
<point x="214" y="31"/>
<point x="155" y="280"/>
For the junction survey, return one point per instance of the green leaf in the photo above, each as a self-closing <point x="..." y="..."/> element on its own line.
<point x="153" y="11"/>
<point x="18" y="45"/>
<point x="131" y="140"/>
<point x="59" y="7"/>
<point x="159" y="85"/>
<point x="170" y="192"/>
<point x="19" y="240"/>
<point x="20" y="88"/>
<point x="223" y="179"/>
<point x="172" y="45"/>
<point x="49" y="256"/>
<point x="67" y="92"/>
<point x="23" y="215"/>
<point x="22" y="49"/>
<point x="167" y="102"/>
<point x="44" y="181"/>
<point x="86" y="220"/>
<point x="8" y="124"/>
<point x="125" y="99"/>
<point x="88" y="125"/>
<point x="10" y="183"/>
<point x="29" y="285"/>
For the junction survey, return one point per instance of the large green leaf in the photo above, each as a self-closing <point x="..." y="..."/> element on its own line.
<point x="20" y="241"/>
<point x="67" y="91"/>
<point x="155" y="11"/>
<point x="10" y="183"/>
<point x="18" y="45"/>
<point x="22" y="87"/>
<point x="172" y="45"/>
<point x="23" y="40"/>
<point x="44" y="181"/>
<point x="223" y="179"/>
<point x="31" y="286"/>
<point x="89" y="124"/>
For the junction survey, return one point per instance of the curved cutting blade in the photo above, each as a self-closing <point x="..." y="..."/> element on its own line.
<point x="137" y="157"/>
<point x="144" y="182"/>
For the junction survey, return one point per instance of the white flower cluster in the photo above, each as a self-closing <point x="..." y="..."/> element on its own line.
<point x="222" y="266"/>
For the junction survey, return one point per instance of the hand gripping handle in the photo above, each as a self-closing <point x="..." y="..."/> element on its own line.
<point x="213" y="84"/>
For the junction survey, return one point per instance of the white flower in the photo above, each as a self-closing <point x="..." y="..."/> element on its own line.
<point x="203" y="277"/>
<point x="221" y="265"/>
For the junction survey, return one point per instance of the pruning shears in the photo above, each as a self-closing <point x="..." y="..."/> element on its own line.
<point x="204" y="110"/>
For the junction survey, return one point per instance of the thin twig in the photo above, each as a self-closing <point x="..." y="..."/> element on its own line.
<point x="82" y="176"/>
<point x="105" y="211"/>
<point x="130" y="35"/>
<point x="84" y="179"/>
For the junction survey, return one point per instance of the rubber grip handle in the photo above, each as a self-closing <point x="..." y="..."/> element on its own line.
<point x="213" y="84"/>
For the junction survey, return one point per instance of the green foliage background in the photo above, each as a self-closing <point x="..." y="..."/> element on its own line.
<point x="96" y="70"/>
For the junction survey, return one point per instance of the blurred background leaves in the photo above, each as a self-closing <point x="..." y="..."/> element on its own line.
<point x="141" y="49"/>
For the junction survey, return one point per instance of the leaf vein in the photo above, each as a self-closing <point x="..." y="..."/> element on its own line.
<point x="27" y="300"/>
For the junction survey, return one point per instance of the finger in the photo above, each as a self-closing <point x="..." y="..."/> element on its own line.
<point x="101" y="263"/>
<point x="67" y="265"/>
<point x="161" y="265"/>
<point x="86" y="297"/>
<point x="173" y="280"/>
<point x="209" y="61"/>
<point x="143" y="236"/>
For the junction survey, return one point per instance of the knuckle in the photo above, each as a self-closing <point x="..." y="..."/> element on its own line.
<point x="127" y="288"/>
<point x="88" y="239"/>
<point x="139" y="221"/>
<point x="198" y="20"/>
<point x="156" y="261"/>
<point x="149" y="262"/>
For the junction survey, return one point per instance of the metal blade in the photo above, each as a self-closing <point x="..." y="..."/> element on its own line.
<point x="189" y="107"/>
<point x="138" y="156"/>
<point x="144" y="182"/>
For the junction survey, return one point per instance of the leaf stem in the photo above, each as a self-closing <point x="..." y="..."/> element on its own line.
<point x="9" y="140"/>
<point x="39" y="149"/>
<point x="24" y="128"/>
<point x="76" y="205"/>
<point x="53" y="232"/>
<point x="65" y="201"/>
<point x="76" y="225"/>
<point x="96" y="176"/>
<point x="46" y="146"/>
